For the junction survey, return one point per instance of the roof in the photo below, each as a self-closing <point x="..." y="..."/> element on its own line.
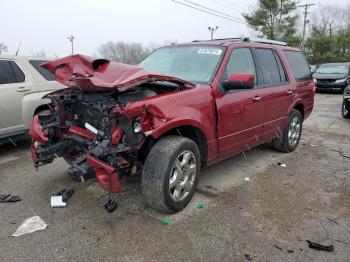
<point x="245" y="40"/>
<point x="14" y="57"/>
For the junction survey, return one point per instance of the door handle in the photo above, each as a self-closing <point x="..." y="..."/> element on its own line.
<point x="290" y="92"/>
<point x="23" y="89"/>
<point x="256" y="98"/>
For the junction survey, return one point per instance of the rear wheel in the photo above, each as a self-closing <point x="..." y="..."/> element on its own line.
<point x="289" y="140"/>
<point x="345" y="110"/>
<point x="171" y="173"/>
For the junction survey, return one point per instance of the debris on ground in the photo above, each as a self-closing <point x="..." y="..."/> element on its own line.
<point x="290" y="250"/>
<point x="317" y="246"/>
<point x="60" y="198"/>
<point x="166" y="221"/>
<point x="30" y="225"/>
<point x="246" y="179"/>
<point x="248" y="257"/>
<point x="278" y="247"/>
<point x="200" y="206"/>
<point x="9" y="198"/>
<point x="313" y="145"/>
<point x="111" y="205"/>
<point x="282" y="164"/>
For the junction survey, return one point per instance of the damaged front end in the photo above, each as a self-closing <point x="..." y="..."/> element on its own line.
<point x="100" y="123"/>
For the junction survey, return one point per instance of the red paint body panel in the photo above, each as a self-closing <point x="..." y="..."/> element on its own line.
<point x="99" y="74"/>
<point x="106" y="175"/>
<point x="82" y="132"/>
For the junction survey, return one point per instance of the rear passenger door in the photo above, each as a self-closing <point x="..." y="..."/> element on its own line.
<point x="277" y="93"/>
<point x="12" y="89"/>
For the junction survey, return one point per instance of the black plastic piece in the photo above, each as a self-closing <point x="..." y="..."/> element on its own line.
<point x="317" y="246"/>
<point x="111" y="205"/>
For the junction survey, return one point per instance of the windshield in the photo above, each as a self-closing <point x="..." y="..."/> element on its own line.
<point x="332" y="69"/>
<point x="192" y="63"/>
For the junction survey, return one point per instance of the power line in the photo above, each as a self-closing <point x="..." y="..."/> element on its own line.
<point x="224" y="17"/>
<point x="306" y="6"/>
<point x="227" y="5"/>
<point x="221" y="13"/>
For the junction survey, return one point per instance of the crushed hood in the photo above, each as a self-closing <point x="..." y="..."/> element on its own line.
<point x="93" y="74"/>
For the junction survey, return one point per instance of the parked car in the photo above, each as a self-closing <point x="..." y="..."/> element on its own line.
<point x="332" y="77"/>
<point x="186" y="106"/>
<point x="346" y="103"/>
<point x="23" y="83"/>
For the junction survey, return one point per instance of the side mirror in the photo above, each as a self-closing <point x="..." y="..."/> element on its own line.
<point x="239" y="81"/>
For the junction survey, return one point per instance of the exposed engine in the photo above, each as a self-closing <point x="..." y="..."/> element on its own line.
<point x="93" y="132"/>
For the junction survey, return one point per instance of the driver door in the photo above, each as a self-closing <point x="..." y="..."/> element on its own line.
<point x="239" y="111"/>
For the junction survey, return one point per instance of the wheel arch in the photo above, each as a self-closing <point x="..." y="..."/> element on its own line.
<point x="189" y="130"/>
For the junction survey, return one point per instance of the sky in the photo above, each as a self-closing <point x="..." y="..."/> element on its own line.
<point x="43" y="25"/>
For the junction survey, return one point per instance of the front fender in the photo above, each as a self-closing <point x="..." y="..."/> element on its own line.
<point x="160" y="130"/>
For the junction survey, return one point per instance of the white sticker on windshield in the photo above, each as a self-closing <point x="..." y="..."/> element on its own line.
<point x="210" y="51"/>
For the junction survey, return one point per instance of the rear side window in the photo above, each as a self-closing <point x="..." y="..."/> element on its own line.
<point x="271" y="67"/>
<point x="297" y="62"/>
<point x="42" y="71"/>
<point x="10" y="73"/>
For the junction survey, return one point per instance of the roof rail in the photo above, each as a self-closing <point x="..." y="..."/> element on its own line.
<point x="220" y="39"/>
<point x="264" y="41"/>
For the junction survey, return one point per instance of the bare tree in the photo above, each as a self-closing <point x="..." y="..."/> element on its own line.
<point x="3" y="48"/>
<point x="40" y="53"/>
<point x="128" y="53"/>
<point x="328" y="20"/>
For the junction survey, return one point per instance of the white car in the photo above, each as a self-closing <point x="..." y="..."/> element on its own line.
<point x="23" y="83"/>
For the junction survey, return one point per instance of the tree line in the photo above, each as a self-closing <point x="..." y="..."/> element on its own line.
<point x="328" y="38"/>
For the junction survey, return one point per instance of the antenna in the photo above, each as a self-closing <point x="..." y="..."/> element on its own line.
<point x="20" y="42"/>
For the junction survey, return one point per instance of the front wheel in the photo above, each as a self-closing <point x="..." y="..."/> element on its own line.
<point x="171" y="173"/>
<point x="290" y="137"/>
<point x="345" y="110"/>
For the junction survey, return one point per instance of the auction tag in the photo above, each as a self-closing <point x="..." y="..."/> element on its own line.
<point x="210" y="51"/>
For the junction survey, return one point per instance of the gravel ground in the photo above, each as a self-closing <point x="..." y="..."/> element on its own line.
<point x="268" y="218"/>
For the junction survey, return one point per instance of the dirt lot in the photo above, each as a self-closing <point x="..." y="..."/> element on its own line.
<point x="267" y="218"/>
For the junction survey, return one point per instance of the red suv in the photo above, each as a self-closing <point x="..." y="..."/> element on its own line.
<point x="186" y="106"/>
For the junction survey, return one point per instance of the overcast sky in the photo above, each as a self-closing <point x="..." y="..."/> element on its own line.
<point x="45" y="24"/>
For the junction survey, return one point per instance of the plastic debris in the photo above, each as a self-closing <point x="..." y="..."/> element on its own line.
<point x="30" y="225"/>
<point x="9" y="199"/>
<point x="60" y="198"/>
<point x="111" y="205"/>
<point x="200" y="206"/>
<point x="282" y="164"/>
<point x="246" y="179"/>
<point x="248" y="257"/>
<point x="317" y="246"/>
<point x="166" y="221"/>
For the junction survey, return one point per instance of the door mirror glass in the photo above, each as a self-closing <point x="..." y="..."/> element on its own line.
<point x="239" y="81"/>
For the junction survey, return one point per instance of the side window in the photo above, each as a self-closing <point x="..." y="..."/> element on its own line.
<point x="241" y="61"/>
<point x="10" y="73"/>
<point x="19" y="75"/>
<point x="297" y="62"/>
<point x="270" y="66"/>
<point x="42" y="71"/>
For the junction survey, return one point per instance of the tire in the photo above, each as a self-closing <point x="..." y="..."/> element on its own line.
<point x="345" y="110"/>
<point x="171" y="174"/>
<point x="291" y="134"/>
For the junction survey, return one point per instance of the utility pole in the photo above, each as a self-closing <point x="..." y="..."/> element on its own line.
<point x="71" y="39"/>
<point x="306" y="6"/>
<point x="212" y="30"/>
